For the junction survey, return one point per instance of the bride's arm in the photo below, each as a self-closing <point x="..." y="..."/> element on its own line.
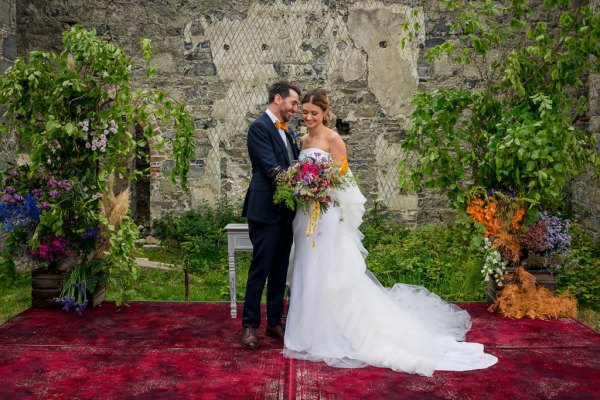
<point x="337" y="147"/>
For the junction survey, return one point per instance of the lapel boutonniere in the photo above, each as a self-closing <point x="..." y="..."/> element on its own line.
<point x="295" y="138"/>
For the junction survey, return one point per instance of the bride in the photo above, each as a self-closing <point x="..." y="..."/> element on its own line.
<point x="339" y="313"/>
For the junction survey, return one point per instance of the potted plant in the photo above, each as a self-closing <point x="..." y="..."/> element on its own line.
<point x="73" y="114"/>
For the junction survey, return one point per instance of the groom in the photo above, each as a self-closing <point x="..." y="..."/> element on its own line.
<point x="271" y="150"/>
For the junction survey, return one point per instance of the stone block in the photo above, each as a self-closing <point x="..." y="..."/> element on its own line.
<point x="7" y="14"/>
<point x="9" y="47"/>
<point x="4" y="64"/>
<point x="205" y="69"/>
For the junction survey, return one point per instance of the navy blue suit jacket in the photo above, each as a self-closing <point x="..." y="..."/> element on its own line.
<point x="269" y="156"/>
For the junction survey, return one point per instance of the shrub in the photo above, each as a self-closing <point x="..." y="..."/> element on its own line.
<point x="436" y="256"/>
<point x="520" y="131"/>
<point x="582" y="273"/>
<point x="203" y="228"/>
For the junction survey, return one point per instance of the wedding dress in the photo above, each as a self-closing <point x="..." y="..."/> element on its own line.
<point x="340" y="314"/>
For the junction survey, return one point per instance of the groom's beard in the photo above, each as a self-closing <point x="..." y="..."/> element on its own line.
<point x="285" y="113"/>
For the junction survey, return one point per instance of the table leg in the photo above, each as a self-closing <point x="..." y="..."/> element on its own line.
<point x="232" y="280"/>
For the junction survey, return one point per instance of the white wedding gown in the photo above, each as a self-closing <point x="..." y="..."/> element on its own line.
<point x="340" y="314"/>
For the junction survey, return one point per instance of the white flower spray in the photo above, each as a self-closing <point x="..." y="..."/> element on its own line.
<point x="493" y="267"/>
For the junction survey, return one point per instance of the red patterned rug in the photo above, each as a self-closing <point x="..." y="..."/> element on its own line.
<point x="190" y="350"/>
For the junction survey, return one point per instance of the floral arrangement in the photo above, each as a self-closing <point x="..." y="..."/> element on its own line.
<point x="73" y="114"/>
<point x="502" y="217"/>
<point x="307" y="184"/>
<point x="510" y="239"/>
<point x="27" y="199"/>
<point x="544" y="243"/>
<point x="547" y="241"/>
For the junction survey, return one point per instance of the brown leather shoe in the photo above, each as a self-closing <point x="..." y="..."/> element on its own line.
<point x="275" y="331"/>
<point x="249" y="338"/>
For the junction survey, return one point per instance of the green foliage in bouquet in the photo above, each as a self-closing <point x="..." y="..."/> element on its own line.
<point x="521" y="131"/>
<point x="74" y="115"/>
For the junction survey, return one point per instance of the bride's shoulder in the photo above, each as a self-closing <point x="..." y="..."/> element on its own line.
<point x="334" y="138"/>
<point x="333" y="135"/>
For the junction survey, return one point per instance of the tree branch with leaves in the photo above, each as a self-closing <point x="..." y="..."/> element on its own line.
<point x="520" y="130"/>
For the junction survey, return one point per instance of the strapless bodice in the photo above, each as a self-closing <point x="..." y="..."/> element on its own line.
<point x="314" y="152"/>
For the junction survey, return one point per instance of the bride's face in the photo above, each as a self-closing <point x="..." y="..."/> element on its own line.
<point x="312" y="115"/>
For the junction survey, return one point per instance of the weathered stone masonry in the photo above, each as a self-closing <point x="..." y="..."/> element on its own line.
<point x="220" y="57"/>
<point x="8" y="53"/>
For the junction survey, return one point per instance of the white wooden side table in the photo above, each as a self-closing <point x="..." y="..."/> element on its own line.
<point x="237" y="240"/>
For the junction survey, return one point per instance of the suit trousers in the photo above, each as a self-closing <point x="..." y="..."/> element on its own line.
<point x="270" y="258"/>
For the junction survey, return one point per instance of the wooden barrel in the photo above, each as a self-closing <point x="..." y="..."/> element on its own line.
<point x="45" y="289"/>
<point x="98" y="296"/>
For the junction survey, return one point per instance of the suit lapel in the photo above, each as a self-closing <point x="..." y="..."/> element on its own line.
<point x="295" y="148"/>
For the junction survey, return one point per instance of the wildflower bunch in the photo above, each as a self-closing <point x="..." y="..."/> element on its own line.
<point x="80" y="281"/>
<point x="502" y="216"/>
<point x="96" y="138"/>
<point x="17" y="211"/>
<point x="25" y="205"/>
<point x="547" y="241"/>
<point x="543" y="243"/>
<point x="484" y="212"/>
<point x="307" y="185"/>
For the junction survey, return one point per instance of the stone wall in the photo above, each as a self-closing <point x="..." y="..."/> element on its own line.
<point x="8" y="30"/>
<point x="585" y="188"/>
<point x="8" y="53"/>
<point x="220" y="58"/>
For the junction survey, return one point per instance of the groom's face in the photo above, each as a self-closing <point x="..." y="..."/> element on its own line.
<point x="288" y="106"/>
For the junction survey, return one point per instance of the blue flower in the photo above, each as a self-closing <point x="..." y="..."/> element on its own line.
<point x="13" y="214"/>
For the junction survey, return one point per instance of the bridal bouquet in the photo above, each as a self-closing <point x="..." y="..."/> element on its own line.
<point x="306" y="185"/>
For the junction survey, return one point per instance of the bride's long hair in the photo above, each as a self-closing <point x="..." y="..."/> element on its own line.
<point x="318" y="97"/>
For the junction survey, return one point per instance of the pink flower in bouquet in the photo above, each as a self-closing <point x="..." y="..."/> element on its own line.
<point x="310" y="169"/>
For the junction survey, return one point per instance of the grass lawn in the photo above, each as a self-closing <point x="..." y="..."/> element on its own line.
<point x="17" y="298"/>
<point x="211" y="283"/>
<point x="208" y="281"/>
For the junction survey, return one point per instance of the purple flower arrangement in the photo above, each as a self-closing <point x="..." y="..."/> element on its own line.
<point x="23" y="202"/>
<point x="547" y="239"/>
<point x="30" y="205"/>
<point x="21" y="206"/>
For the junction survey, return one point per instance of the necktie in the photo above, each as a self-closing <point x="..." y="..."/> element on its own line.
<point x="282" y="125"/>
